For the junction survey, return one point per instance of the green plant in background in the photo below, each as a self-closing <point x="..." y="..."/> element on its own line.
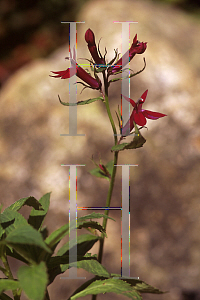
<point x="29" y="242"/>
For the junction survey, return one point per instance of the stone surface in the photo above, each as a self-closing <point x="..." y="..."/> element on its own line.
<point x="165" y="206"/>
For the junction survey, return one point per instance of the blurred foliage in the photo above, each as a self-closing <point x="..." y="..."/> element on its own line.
<point x="32" y="28"/>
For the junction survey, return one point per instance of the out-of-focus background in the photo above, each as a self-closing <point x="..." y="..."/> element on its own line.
<point x="164" y="188"/>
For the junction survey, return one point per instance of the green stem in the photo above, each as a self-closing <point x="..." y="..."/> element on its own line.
<point x="3" y="257"/>
<point x="108" y="108"/>
<point x="112" y="180"/>
<point x="7" y="271"/>
<point x="108" y="201"/>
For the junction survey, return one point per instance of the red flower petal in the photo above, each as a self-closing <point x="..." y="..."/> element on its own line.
<point x="139" y="118"/>
<point x="152" y="114"/>
<point x="144" y="95"/>
<point x="130" y="100"/>
<point x="63" y="74"/>
<point x="90" y="39"/>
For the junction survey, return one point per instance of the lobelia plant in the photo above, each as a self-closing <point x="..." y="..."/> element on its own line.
<point x="29" y="242"/>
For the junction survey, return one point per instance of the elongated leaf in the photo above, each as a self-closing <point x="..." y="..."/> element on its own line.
<point x="91" y="266"/>
<point x="83" y="286"/>
<point x="64" y="260"/>
<point x="30" y="201"/>
<point x="109" y="286"/>
<point x="55" y="237"/>
<point x="119" y="147"/>
<point x="59" y="264"/>
<point x="36" y="217"/>
<point x="92" y="224"/>
<point x="83" y="242"/>
<point x="137" y="142"/>
<point x="94" y="215"/>
<point x="33" y="280"/>
<point x="88" y="101"/>
<point x="8" y="284"/>
<point x="139" y="285"/>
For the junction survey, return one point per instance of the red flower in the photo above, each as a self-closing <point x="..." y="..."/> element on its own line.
<point x="80" y="72"/>
<point x="136" y="48"/>
<point x="90" y="39"/>
<point x="139" y="115"/>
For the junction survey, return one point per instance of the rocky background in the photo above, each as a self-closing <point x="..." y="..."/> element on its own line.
<point x="164" y="188"/>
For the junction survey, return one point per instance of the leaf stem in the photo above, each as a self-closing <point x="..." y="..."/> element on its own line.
<point x="7" y="271"/>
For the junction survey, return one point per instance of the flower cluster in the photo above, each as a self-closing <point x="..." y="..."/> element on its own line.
<point x="95" y="83"/>
<point x="138" y="115"/>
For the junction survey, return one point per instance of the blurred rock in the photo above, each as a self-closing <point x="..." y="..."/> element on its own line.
<point x="165" y="205"/>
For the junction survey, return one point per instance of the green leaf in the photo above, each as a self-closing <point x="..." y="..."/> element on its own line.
<point x="8" y="284"/>
<point x="26" y="235"/>
<point x="140" y="285"/>
<point x="54" y="238"/>
<point x="11" y="219"/>
<point x="119" y="147"/>
<point x="36" y="217"/>
<point x="109" y="286"/>
<point x="59" y="264"/>
<point x="88" y="101"/>
<point x="137" y="142"/>
<point x="83" y="286"/>
<point x="27" y="242"/>
<point x="94" y="215"/>
<point x="92" y="224"/>
<point x="92" y="266"/>
<point x="30" y="201"/>
<point x="84" y="243"/>
<point x="33" y="280"/>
